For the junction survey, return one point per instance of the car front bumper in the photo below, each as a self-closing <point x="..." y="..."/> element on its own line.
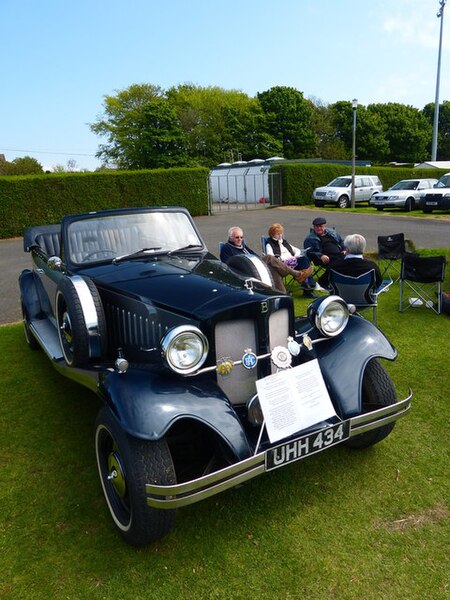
<point x="189" y="492"/>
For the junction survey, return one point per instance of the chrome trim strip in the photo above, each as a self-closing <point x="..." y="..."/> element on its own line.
<point x="87" y="304"/>
<point x="183" y="494"/>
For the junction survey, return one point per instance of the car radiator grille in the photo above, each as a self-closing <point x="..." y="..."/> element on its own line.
<point x="233" y="338"/>
<point x="128" y="328"/>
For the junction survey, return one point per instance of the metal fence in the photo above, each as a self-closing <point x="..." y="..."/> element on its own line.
<point x="238" y="191"/>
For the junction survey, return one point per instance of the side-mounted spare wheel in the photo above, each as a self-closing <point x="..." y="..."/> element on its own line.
<point x="125" y="465"/>
<point x="252" y="266"/>
<point x="80" y="320"/>
<point x="377" y="392"/>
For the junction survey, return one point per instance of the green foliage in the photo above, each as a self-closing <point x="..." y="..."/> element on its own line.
<point x="343" y="524"/>
<point x="443" y="145"/>
<point x="288" y="119"/>
<point x="21" y="166"/>
<point x="36" y="200"/>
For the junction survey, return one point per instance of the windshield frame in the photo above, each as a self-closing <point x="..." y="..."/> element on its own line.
<point x="102" y="236"/>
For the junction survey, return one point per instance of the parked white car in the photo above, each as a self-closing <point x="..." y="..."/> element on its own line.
<point x="405" y="194"/>
<point x="339" y="191"/>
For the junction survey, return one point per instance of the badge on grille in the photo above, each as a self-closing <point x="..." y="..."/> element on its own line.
<point x="281" y="357"/>
<point x="249" y="359"/>
<point x="224" y="366"/>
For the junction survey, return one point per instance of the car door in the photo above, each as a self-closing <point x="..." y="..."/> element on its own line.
<point x="360" y="194"/>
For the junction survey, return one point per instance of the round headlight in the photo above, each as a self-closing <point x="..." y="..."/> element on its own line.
<point x="185" y="349"/>
<point x="330" y="316"/>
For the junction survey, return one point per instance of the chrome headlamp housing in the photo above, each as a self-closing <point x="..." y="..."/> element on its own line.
<point x="184" y="349"/>
<point x="330" y="315"/>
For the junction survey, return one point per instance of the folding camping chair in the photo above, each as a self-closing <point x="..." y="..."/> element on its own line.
<point x="360" y="291"/>
<point x="422" y="278"/>
<point x="391" y="248"/>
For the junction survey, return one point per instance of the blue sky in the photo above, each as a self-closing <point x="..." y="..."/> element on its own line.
<point x="60" y="59"/>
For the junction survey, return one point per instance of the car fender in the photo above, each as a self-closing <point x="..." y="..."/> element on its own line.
<point x="343" y="360"/>
<point x="147" y="404"/>
<point x="34" y="299"/>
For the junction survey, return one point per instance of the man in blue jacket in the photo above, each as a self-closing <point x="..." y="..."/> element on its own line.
<point x="323" y="246"/>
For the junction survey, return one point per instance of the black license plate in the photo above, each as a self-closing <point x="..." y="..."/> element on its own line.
<point x="306" y="445"/>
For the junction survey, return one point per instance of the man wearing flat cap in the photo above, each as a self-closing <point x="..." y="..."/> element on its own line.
<point x="323" y="246"/>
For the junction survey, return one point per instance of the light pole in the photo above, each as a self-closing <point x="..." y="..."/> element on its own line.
<point x="440" y="14"/>
<point x="354" y="106"/>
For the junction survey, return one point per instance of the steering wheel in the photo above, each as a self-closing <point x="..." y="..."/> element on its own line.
<point x="103" y="250"/>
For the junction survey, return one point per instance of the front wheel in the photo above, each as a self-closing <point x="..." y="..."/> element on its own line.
<point x="125" y="465"/>
<point x="410" y="205"/>
<point x="344" y="202"/>
<point x="377" y="392"/>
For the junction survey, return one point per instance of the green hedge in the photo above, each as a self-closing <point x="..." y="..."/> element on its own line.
<point x="299" y="180"/>
<point x="41" y="199"/>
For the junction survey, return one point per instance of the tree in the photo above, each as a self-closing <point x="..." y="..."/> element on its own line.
<point x="139" y="126"/>
<point x="328" y="145"/>
<point x="443" y="145"/>
<point x="21" y="166"/>
<point x="214" y="120"/>
<point x="288" y="119"/>
<point x="406" y="130"/>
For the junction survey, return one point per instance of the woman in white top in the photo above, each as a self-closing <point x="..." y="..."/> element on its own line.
<point x="292" y="256"/>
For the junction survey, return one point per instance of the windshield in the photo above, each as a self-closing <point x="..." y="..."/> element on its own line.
<point x="406" y="184"/>
<point x="107" y="237"/>
<point x="444" y="181"/>
<point x="340" y="182"/>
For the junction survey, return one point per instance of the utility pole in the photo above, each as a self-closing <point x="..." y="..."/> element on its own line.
<point x="354" y="107"/>
<point x="440" y="15"/>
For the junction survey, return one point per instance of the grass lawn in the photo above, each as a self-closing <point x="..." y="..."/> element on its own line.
<point x="348" y="525"/>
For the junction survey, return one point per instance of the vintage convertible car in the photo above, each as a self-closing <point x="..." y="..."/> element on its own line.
<point x="206" y="377"/>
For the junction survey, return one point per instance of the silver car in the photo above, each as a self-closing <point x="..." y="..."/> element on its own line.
<point x="404" y="194"/>
<point x="339" y="191"/>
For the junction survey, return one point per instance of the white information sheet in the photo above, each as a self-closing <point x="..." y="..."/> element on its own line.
<point x="294" y="399"/>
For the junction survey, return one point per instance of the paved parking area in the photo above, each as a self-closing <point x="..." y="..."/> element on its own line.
<point x="432" y="232"/>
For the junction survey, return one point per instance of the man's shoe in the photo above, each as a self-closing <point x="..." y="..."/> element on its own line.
<point x="309" y="294"/>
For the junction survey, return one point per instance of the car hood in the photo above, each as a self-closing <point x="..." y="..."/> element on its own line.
<point x="399" y="193"/>
<point x="197" y="286"/>
<point x="328" y="188"/>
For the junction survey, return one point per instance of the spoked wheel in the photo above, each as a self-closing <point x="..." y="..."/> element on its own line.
<point x="29" y="337"/>
<point x="125" y="465"/>
<point x="343" y="202"/>
<point x="377" y="391"/>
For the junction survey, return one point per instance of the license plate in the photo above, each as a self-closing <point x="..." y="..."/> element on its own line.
<point x="428" y="203"/>
<point x="306" y="445"/>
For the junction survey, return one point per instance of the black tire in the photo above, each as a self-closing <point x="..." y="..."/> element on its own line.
<point x="343" y="202"/>
<point x="72" y="331"/>
<point x="125" y="465"/>
<point x="377" y="391"/>
<point x="29" y="337"/>
<point x="410" y="204"/>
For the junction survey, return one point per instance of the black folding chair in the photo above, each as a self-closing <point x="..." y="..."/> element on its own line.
<point x="360" y="291"/>
<point x="391" y="249"/>
<point x="421" y="279"/>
